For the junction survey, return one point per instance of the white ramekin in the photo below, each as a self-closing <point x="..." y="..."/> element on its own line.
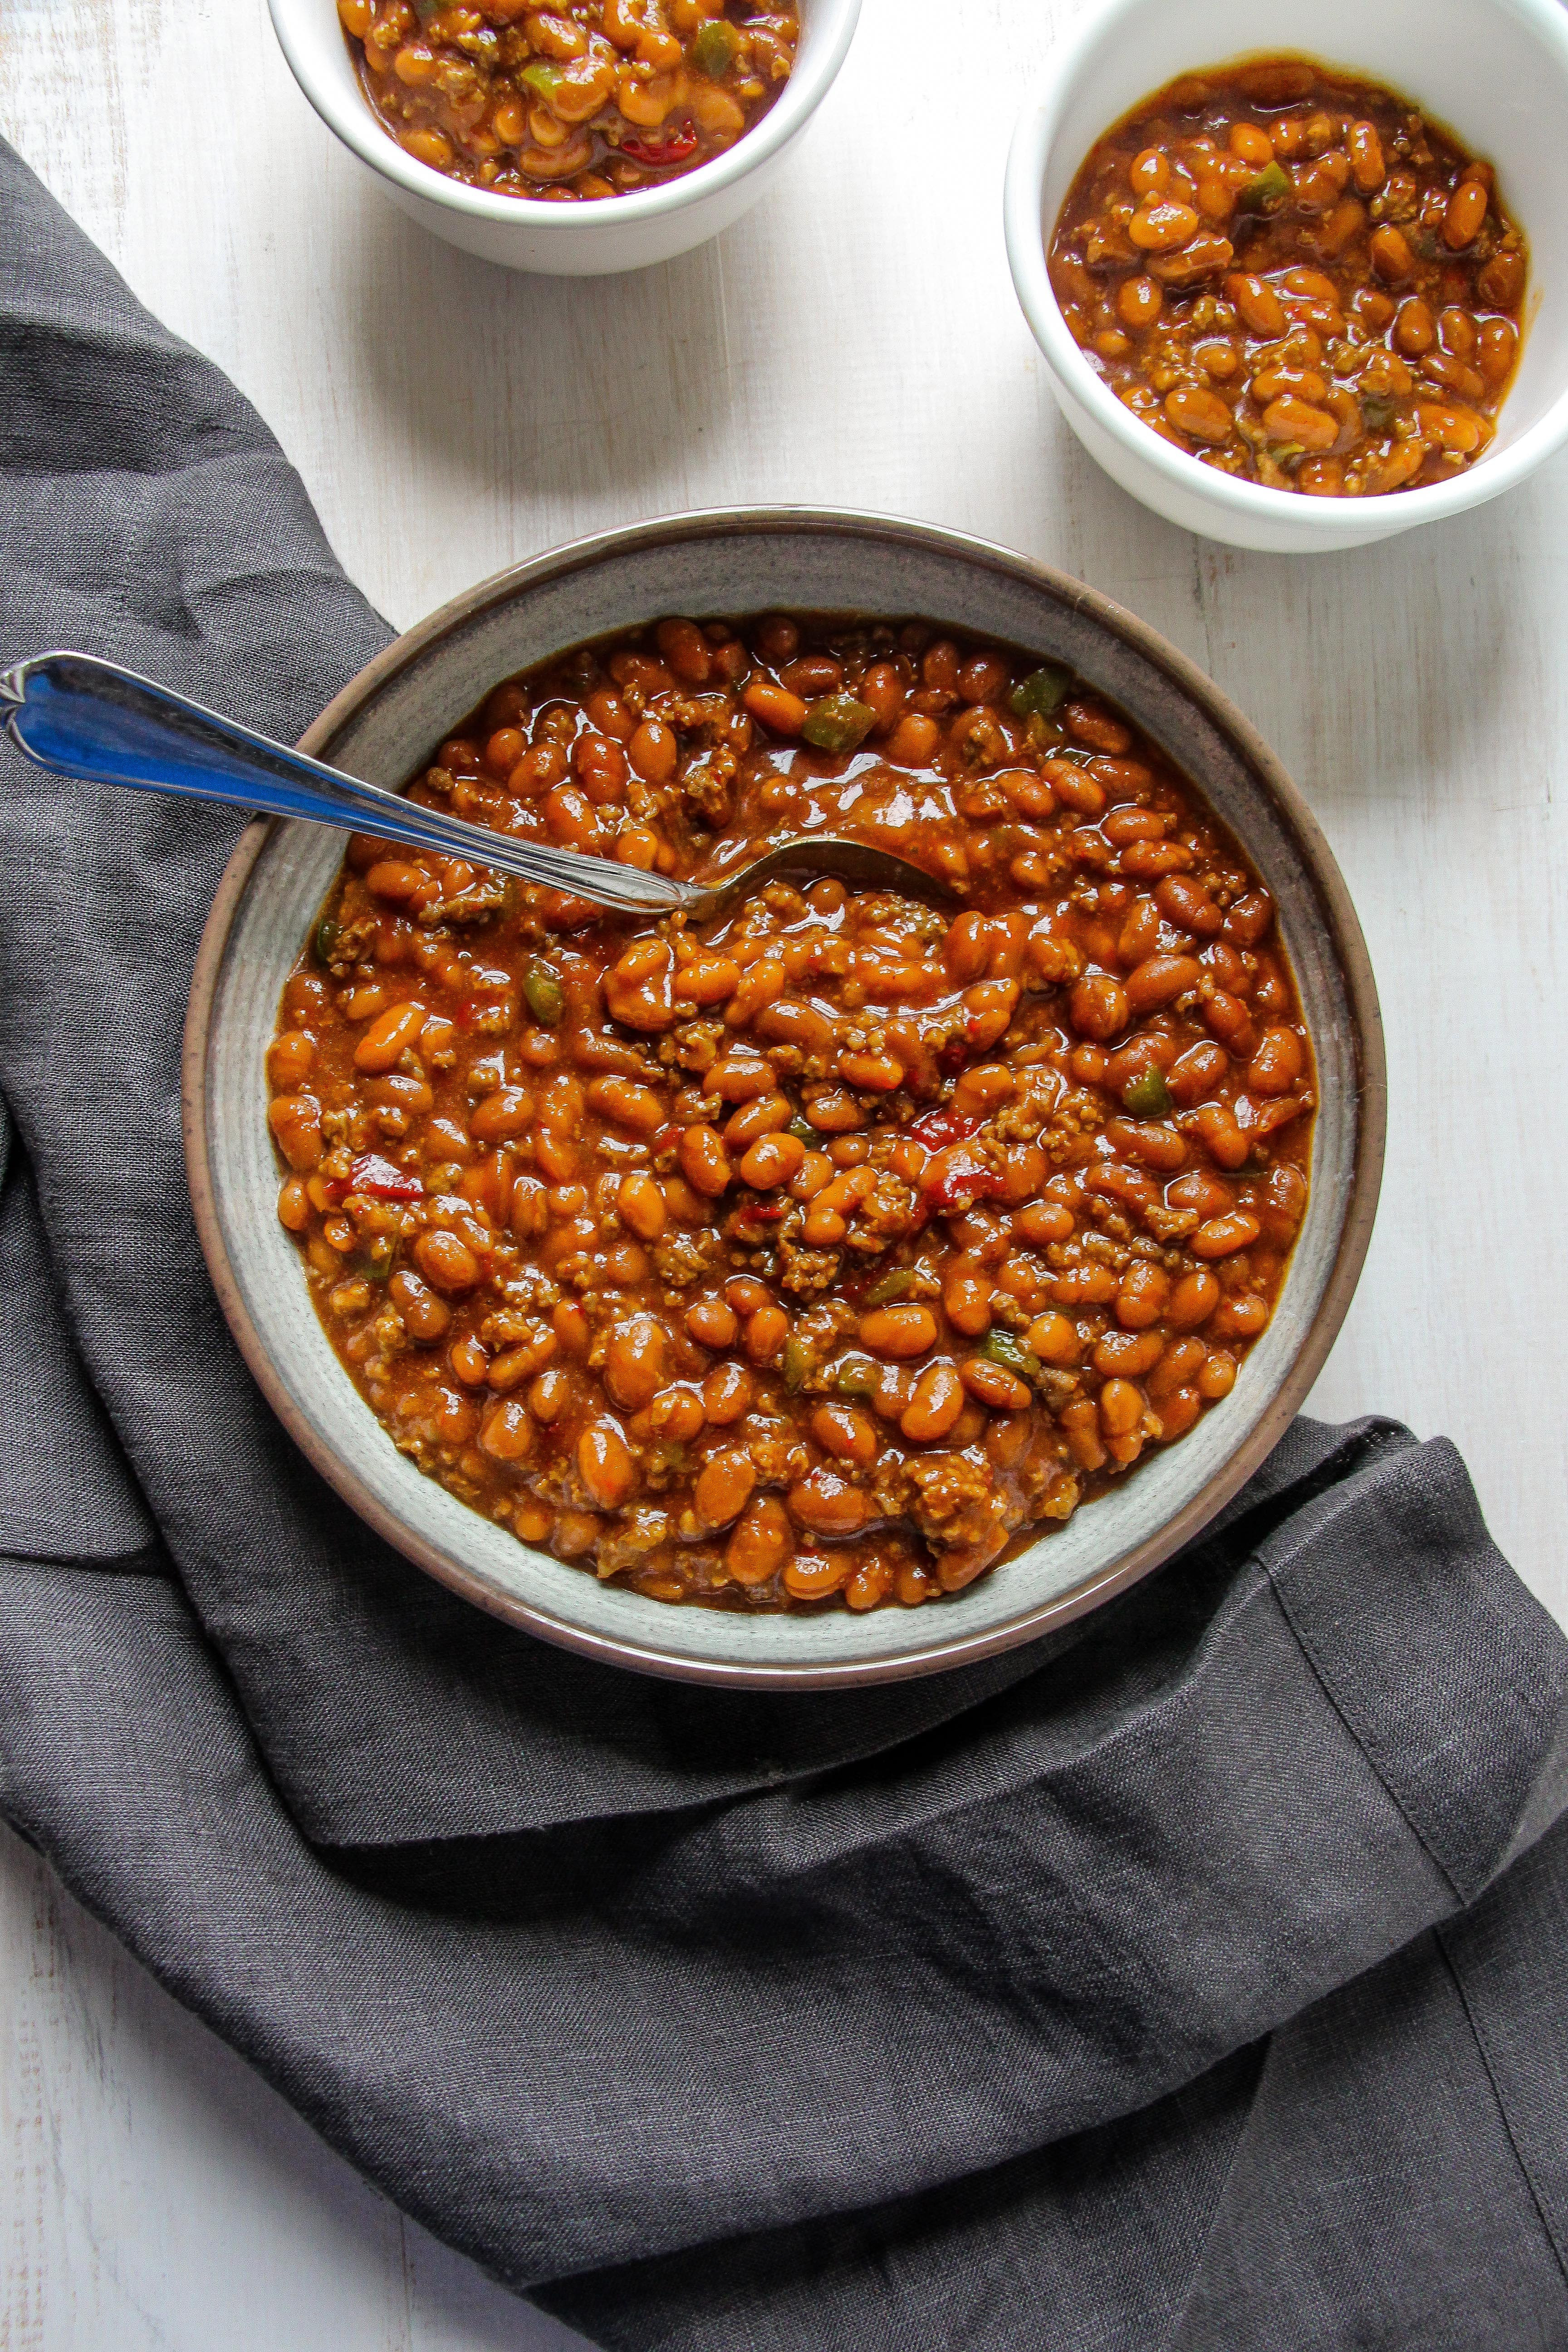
<point x="1494" y="71"/>
<point x="586" y="240"/>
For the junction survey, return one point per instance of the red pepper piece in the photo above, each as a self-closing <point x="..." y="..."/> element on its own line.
<point x="656" y="152"/>
<point x="382" y="1180"/>
<point x="936" y="1127"/>
<point x="956" y="1179"/>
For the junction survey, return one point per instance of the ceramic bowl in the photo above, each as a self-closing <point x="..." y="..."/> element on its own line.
<point x="1494" y="71"/>
<point x="580" y="240"/>
<point x="382" y="727"/>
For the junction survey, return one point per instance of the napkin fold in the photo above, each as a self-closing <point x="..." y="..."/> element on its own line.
<point x="1194" y="1978"/>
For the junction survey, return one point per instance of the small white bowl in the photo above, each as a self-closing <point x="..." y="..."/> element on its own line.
<point x="582" y="240"/>
<point x="1495" y="72"/>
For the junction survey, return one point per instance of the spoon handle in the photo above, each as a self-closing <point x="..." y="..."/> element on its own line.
<point x="81" y="717"/>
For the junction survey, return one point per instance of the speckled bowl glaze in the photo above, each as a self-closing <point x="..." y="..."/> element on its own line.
<point x="382" y="727"/>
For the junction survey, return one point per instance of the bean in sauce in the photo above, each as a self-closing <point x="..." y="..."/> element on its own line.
<point x="806" y="1258"/>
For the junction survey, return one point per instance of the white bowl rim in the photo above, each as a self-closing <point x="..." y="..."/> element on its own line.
<point x="1028" y="159"/>
<point x="349" y="114"/>
<point x="948" y="1644"/>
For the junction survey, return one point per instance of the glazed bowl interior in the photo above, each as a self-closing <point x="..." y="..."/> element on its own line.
<point x="383" y="727"/>
<point x="1495" y="72"/>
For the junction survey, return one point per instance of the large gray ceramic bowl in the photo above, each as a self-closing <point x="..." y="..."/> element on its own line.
<point x="383" y="727"/>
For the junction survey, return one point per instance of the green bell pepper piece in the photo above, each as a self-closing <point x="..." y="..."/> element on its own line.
<point x="545" y="996"/>
<point x="1268" y="190"/>
<point x="1147" y="1097"/>
<point x="713" y="51"/>
<point x="1043" y="692"/>
<point x="838" y="723"/>
<point x="1004" y="1347"/>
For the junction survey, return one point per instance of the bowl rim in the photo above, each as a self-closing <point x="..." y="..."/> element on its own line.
<point x="1029" y="158"/>
<point x="345" y="111"/>
<point x="940" y="1651"/>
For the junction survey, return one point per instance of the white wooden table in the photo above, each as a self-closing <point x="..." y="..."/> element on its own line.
<point x="855" y="342"/>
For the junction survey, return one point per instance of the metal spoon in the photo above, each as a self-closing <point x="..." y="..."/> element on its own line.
<point x="85" y="718"/>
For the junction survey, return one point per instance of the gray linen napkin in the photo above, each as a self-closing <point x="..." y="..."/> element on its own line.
<point x="1200" y="1979"/>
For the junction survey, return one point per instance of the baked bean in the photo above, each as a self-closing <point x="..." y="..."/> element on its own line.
<point x="1238" y="1318"/>
<point x="1497" y="351"/>
<point x="935" y="1406"/>
<point x="606" y="1466"/>
<point x="773" y="1160"/>
<point x="713" y="1323"/>
<point x="626" y="1104"/>
<point x="639" y="1204"/>
<point x="635" y="1362"/>
<point x="445" y="1261"/>
<point x="502" y="1117"/>
<point x="815" y="1575"/>
<point x="1054" y="1339"/>
<point x="1217" y="1377"/>
<point x="845" y="1432"/>
<point x="1205" y="1195"/>
<point x="289" y="1060"/>
<point x="707" y="980"/>
<point x="827" y="1505"/>
<point x="765" y="1334"/>
<point x="294" y="1206"/>
<point x="966" y="1302"/>
<point x="723" y="1488"/>
<point x="296" y="1124"/>
<point x="1097" y="1006"/>
<point x="870" y="1584"/>
<point x="1156" y="1145"/>
<point x="1230" y="1021"/>
<point x="389" y="1037"/>
<point x="1127" y="1354"/>
<point x="1042" y="1222"/>
<point x="1277" y="1063"/>
<point x="1187" y="905"/>
<point x="782" y="712"/>
<point x="727" y="1394"/>
<point x="1467" y="211"/>
<point x="1223" y="1138"/>
<point x="1120" y="1408"/>
<point x="1176" y="1367"/>
<point x="992" y="1385"/>
<point x="703" y="1161"/>
<point x="898" y="1332"/>
<point x="761" y="1543"/>
<point x="1178" y="1412"/>
<point x="506" y="1433"/>
<point x="1143" y="1296"/>
<point x="1139" y="302"/>
<point x="676" y="1414"/>
<point x="1221" y="1236"/>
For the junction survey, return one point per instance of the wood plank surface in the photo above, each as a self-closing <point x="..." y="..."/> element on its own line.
<point x="854" y="341"/>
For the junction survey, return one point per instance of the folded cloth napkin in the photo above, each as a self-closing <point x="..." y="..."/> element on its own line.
<point x="1199" y="1979"/>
